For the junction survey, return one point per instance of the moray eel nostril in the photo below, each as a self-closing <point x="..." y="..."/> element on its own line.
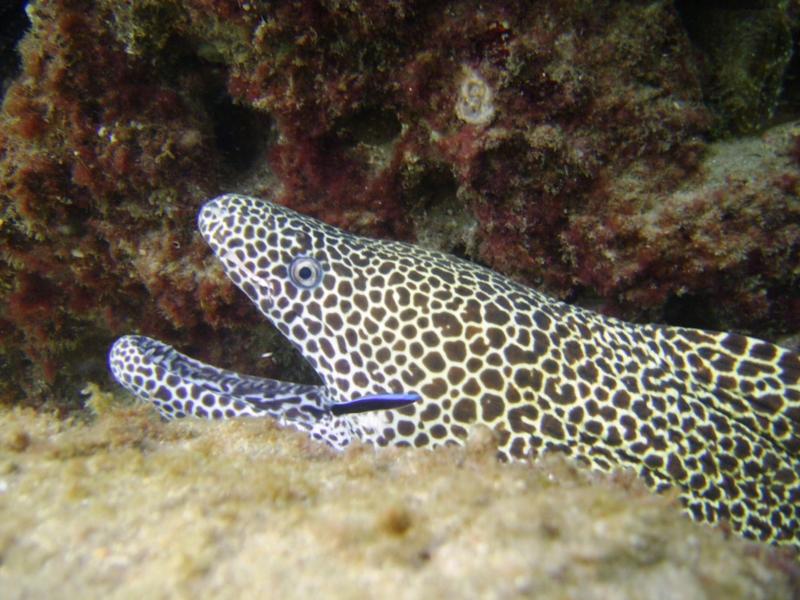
<point x="414" y="346"/>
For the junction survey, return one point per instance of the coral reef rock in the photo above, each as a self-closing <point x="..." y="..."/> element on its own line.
<point x="562" y="143"/>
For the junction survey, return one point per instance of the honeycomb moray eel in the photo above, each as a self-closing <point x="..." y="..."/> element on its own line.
<point x="414" y="346"/>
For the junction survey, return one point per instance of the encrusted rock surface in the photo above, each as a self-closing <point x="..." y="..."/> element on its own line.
<point x="130" y="507"/>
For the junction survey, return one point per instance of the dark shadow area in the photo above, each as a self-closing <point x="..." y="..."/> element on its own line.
<point x="434" y="186"/>
<point x="746" y="54"/>
<point x="241" y="134"/>
<point x="13" y="25"/>
<point x="689" y="311"/>
<point x="372" y="126"/>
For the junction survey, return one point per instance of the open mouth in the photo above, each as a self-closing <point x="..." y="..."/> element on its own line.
<point x="181" y="386"/>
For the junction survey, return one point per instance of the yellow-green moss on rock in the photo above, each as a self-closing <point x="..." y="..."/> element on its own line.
<point x="130" y="507"/>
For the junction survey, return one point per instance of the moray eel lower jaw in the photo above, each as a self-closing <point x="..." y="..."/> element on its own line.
<point x="180" y="386"/>
<point x="445" y="344"/>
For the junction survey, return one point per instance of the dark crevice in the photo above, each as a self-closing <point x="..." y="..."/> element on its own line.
<point x="242" y="135"/>
<point x="689" y="311"/>
<point x="434" y="186"/>
<point x="744" y="51"/>
<point x="13" y="25"/>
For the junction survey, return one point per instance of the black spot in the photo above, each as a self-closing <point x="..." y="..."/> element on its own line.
<point x="572" y="352"/>
<point x="478" y="347"/>
<point x="334" y="320"/>
<point x="675" y="468"/>
<point x="654" y="461"/>
<point x="496" y="316"/>
<point x="540" y="343"/>
<point x="360" y="301"/>
<point x="735" y="343"/>
<point x="491" y="407"/>
<point x="429" y="338"/>
<point x="326" y="348"/>
<point x="753" y="469"/>
<point x="550" y="366"/>
<point x="436" y="389"/>
<point x="575" y="415"/>
<point x="727" y="462"/>
<point x="438" y="431"/>
<point x="163" y="393"/>
<point x="631" y="384"/>
<point x="564" y="395"/>
<point x="528" y="379"/>
<point x="455" y="375"/>
<point x="447" y="324"/>
<point x="727" y="383"/>
<point x="742" y="448"/>
<point x="518" y="448"/>
<point x="492" y="379"/>
<point x="455" y="351"/>
<point x="641" y="410"/>
<point x="552" y="427"/>
<point x="434" y="362"/>
<point x="472" y="387"/>
<point x="495" y="337"/>
<point x="588" y="372"/>
<point x="522" y="319"/>
<point x="723" y="363"/>
<point x="790" y="368"/>
<point x="472" y="312"/>
<point x="621" y="399"/>
<point x="413" y="375"/>
<point x="609" y="413"/>
<point x="612" y="436"/>
<point x="465" y="411"/>
<point x="542" y="320"/>
<point x="522" y="419"/>
<point x="748" y="368"/>
<point x="431" y="412"/>
<point x="515" y="355"/>
<point x="405" y="427"/>
<point x="459" y="431"/>
<point x="421" y="440"/>
<point x="594" y="427"/>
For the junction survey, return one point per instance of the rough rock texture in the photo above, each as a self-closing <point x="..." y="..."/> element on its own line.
<point x="562" y="143"/>
<point x="744" y="49"/>
<point x="128" y="507"/>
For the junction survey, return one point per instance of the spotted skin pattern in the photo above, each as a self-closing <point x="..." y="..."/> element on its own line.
<point x="716" y="415"/>
<point x="180" y="386"/>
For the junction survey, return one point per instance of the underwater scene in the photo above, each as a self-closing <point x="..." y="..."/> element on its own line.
<point x="400" y="299"/>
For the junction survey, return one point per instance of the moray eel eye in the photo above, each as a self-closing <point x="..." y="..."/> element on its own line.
<point x="305" y="272"/>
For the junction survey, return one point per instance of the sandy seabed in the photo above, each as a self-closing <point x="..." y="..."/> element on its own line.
<point x="125" y="506"/>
